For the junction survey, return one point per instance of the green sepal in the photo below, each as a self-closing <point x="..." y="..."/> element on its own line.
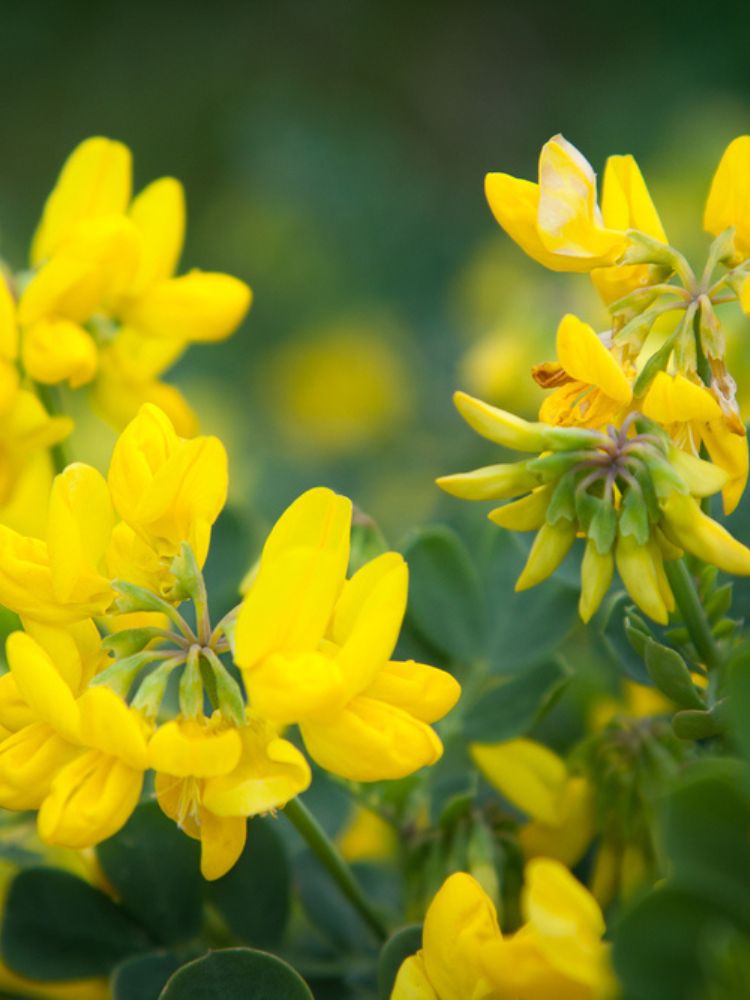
<point x="121" y="675"/>
<point x="598" y="518"/>
<point x="152" y="689"/>
<point x="701" y="724"/>
<point x="571" y="438"/>
<point x="130" y="640"/>
<point x="191" y="686"/>
<point x="670" y="674"/>
<point x="634" y="519"/>
<point x="551" y="467"/>
<point x="562" y="505"/>
<point x="186" y="572"/>
<point x="228" y="693"/>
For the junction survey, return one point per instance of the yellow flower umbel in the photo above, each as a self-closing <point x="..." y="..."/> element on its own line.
<point x="629" y="492"/>
<point x="647" y="286"/>
<point x="103" y="296"/>
<point x="315" y="649"/>
<point x="557" y="952"/>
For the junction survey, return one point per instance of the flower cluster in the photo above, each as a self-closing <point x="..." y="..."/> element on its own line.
<point x="100" y="306"/>
<point x="558" y="951"/>
<point x="641" y="423"/>
<point x="109" y="679"/>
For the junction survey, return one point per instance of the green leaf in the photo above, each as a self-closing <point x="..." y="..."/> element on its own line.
<point x="236" y="974"/>
<point x="446" y="607"/>
<point x="611" y="623"/>
<point x="404" y="942"/>
<point x="738" y="670"/>
<point x="510" y="707"/>
<point x="706" y="837"/>
<point x="700" y="725"/>
<point x="328" y="911"/>
<point x="529" y="626"/>
<point x="57" y="926"/>
<point x="658" y="946"/>
<point x="155" y="871"/>
<point x="253" y="898"/>
<point x="143" y="977"/>
<point x="670" y="674"/>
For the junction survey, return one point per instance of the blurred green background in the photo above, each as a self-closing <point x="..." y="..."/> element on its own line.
<point x="333" y="155"/>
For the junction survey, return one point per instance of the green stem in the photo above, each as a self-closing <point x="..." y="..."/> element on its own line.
<point x="329" y="856"/>
<point x="692" y="611"/>
<point x="50" y="398"/>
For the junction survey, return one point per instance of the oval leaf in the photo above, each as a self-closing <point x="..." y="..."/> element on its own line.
<point x="236" y="974"/>
<point x="154" y="868"/>
<point x="57" y="926"/>
<point x="509" y="708"/>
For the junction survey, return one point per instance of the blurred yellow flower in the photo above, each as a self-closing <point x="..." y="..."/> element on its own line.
<point x="339" y="389"/>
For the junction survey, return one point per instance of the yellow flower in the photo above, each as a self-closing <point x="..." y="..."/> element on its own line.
<point x="314" y="649"/>
<point x="9" y="377"/>
<point x="79" y="761"/>
<point x="558" y="952"/>
<point x="728" y="202"/>
<point x="166" y="488"/>
<point x="26" y="433"/>
<point x="105" y="264"/>
<point x="211" y="777"/>
<point x="591" y="387"/>
<point x="460" y="923"/>
<point x="692" y="416"/>
<point x="557" y="222"/>
<point x="536" y="780"/>
<point x="367" y="837"/>
<point x="626" y="204"/>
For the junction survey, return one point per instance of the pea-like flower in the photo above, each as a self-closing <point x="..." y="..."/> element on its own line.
<point x="315" y="649"/>
<point x="558" y="950"/>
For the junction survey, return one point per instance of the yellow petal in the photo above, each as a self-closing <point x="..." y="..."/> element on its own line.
<point x="59" y="350"/>
<point x="118" y="400"/>
<point x="568" y="838"/>
<point x="74" y="649"/>
<point x="557" y="904"/>
<point x="585" y="358"/>
<point x="640" y="575"/>
<point x="159" y="216"/>
<point x="528" y="774"/>
<point x="371" y="741"/>
<point x="728" y="201"/>
<point x="687" y="526"/>
<point x="515" y="205"/>
<point x="626" y="202"/>
<point x="8" y="325"/>
<point x="222" y="842"/>
<point x="289" y="689"/>
<point x="81" y="520"/>
<point x="29" y="761"/>
<point x="90" y="799"/>
<point x="493" y="482"/>
<point x="459" y="924"/>
<point x="198" y="306"/>
<point x="186" y="748"/>
<point x="288" y="606"/>
<point x="412" y="981"/>
<point x="596" y="576"/>
<point x="15" y="711"/>
<point x="319" y="518"/>
<point x="367" y="619"/>
<point x="675" y="399"/>
<point x="45" y="692"/>
<point x="551" y="544"/>
<point x="729" y="451"/>
<point x="95" y="180"/>
<point x="109" y="725"/>
<point x="527" y="514"/>
<point x="423" y="691"/>
<point x="703" y="479"/>
<point x="568" y="218"/>
<point x="498" y="425"/>
<point x="271" y="771"/>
